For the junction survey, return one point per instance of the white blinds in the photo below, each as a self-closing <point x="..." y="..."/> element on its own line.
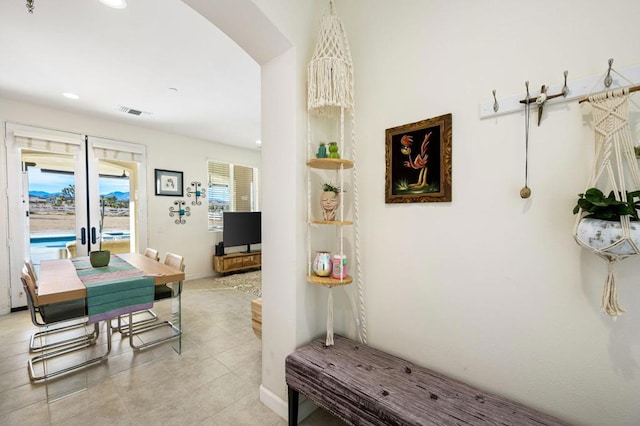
<point x="43" y="140"/>
<point x="107" y="149"/>
<point x="36" y="139"/>
<point x="239" y="182"/>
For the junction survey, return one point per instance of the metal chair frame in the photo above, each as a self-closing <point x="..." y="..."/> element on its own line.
<point x="35" y="312"/>
<point x="71" y="345"/>
<point x="123" y="321"/>
<point x="177" y="262"/>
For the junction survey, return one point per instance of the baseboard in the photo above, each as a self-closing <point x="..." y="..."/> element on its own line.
<point x="280" y="407"/>
<point x="272" y="401"/>
<point x="200" y="276"/>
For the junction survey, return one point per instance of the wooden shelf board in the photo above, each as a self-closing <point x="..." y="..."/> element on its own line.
<point x="332" y="222"/>
<point x="328" y="281"/>
<point x="329" y="163"/>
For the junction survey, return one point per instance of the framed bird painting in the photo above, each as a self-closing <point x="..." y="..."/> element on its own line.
<point x="418" y="161"/>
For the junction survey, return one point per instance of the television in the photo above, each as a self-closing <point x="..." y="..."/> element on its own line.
<point x="241" y="228"/>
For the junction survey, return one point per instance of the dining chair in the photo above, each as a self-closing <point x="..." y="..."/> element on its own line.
<point x="152" y="253"/>
<point x="55" y="313"/>
<point x="31" y="270"/>
<point x="49" y="315"/>
<point x="165" y="291"/>
<point x="122" y="325"/>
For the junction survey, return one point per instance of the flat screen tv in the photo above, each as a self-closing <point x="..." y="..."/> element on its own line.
<point x="241" y="228"/>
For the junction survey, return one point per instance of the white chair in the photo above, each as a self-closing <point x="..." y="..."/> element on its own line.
<point x="152" y="253"/>
<point x="164" y="291"/>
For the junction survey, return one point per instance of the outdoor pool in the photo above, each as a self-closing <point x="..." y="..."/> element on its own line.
<point x="61" y="240"/>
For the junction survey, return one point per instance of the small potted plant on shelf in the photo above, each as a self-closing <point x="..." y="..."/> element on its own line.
<point x="100" y="257"/>
<point x="601" y="228"/>
<point x="329" y="201"/>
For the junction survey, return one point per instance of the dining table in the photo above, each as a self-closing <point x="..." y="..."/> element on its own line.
<point x="69" y="279"/>
<point x="58" y="280"/>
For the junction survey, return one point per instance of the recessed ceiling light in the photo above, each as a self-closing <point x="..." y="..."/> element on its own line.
<point x="70" y="95"/>
<point x="116" y="4"/>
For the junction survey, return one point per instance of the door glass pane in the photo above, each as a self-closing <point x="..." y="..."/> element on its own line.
<point x="115" y="207"/>
<point x="52" y="204"/>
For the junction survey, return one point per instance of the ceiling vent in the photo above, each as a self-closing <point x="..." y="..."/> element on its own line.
<point x="131" y="110"/>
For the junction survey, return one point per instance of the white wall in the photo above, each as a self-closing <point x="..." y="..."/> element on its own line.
<point x="491" y="289"/>
<point x="164" y="151"/>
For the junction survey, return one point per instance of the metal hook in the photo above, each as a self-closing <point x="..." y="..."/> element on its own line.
<point x="608" y="80"/>
<point x="526" y="83"/>
<point x="496" y="106"/>
<point x="565" y="88"/>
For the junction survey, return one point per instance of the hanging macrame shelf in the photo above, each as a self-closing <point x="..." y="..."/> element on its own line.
<point x="330" y="96"/>
<point x="577" y="89"/>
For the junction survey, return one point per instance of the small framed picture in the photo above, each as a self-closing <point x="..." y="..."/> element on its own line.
<point x="168" y="182"/>
<point x="418" y="161"/>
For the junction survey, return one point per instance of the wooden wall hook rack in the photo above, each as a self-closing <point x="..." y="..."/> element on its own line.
<point x="575" y="89"/>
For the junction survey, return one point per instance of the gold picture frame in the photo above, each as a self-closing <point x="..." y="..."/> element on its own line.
<point x="418" y="161"/>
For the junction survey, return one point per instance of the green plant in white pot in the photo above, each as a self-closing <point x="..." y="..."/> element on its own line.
<point x="610" y="227"/>
<point x="602" y="227"/>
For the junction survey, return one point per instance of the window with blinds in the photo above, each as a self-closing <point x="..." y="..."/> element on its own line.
<point x="230" y="188"/>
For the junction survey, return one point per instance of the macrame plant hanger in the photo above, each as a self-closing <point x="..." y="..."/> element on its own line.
<point x="331" y="93"/>
<point x="614" y="164"/>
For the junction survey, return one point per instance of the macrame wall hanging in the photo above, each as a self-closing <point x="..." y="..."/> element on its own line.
<point x="331" y="94"/>
<point x="615" y="173"/>
<point x="330" y="72"/>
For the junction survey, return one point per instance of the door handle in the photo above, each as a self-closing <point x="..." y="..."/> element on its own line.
<point x="93" y="235"/>
<point x="83" y="236"/>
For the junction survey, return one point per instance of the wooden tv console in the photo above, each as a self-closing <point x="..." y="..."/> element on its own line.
<point x="237" y="261"/>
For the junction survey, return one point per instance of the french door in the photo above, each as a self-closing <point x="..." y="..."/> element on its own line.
<point x="70" y="194"/>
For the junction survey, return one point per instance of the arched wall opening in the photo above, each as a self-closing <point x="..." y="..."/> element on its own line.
<point x="282" y="181"/>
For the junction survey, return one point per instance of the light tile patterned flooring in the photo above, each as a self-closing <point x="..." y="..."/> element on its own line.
<point x="214" y="382"/>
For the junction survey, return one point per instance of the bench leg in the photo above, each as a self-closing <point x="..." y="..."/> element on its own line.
<point x="293" y="406"/>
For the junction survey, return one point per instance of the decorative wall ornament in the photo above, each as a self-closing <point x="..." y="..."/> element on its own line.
<point x="418" y="161"/>
<point x="169" y="182"/>
<point x="180" y="210"/>
<point x="197" y="191"/>
<point x="330" y="72"/>
<point x="30" y="6"/>
<point x="615" y="167"/>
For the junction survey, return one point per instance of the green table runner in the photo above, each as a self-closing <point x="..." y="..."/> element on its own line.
<point x="114" y="290"/>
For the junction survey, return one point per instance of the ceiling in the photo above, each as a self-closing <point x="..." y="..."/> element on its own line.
<point x="157" y="57"/>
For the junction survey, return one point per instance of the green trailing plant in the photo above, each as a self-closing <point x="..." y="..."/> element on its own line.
<point x="594" y="202"/>
<point x="329" y="187"/>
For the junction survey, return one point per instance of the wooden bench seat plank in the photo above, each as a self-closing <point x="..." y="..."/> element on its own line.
<point x="365" y="386"/>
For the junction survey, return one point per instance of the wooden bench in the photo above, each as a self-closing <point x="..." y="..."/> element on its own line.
<point x="365" y="386"/>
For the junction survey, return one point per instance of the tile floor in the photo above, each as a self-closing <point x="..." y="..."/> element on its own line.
<point x="214" y="382"/>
